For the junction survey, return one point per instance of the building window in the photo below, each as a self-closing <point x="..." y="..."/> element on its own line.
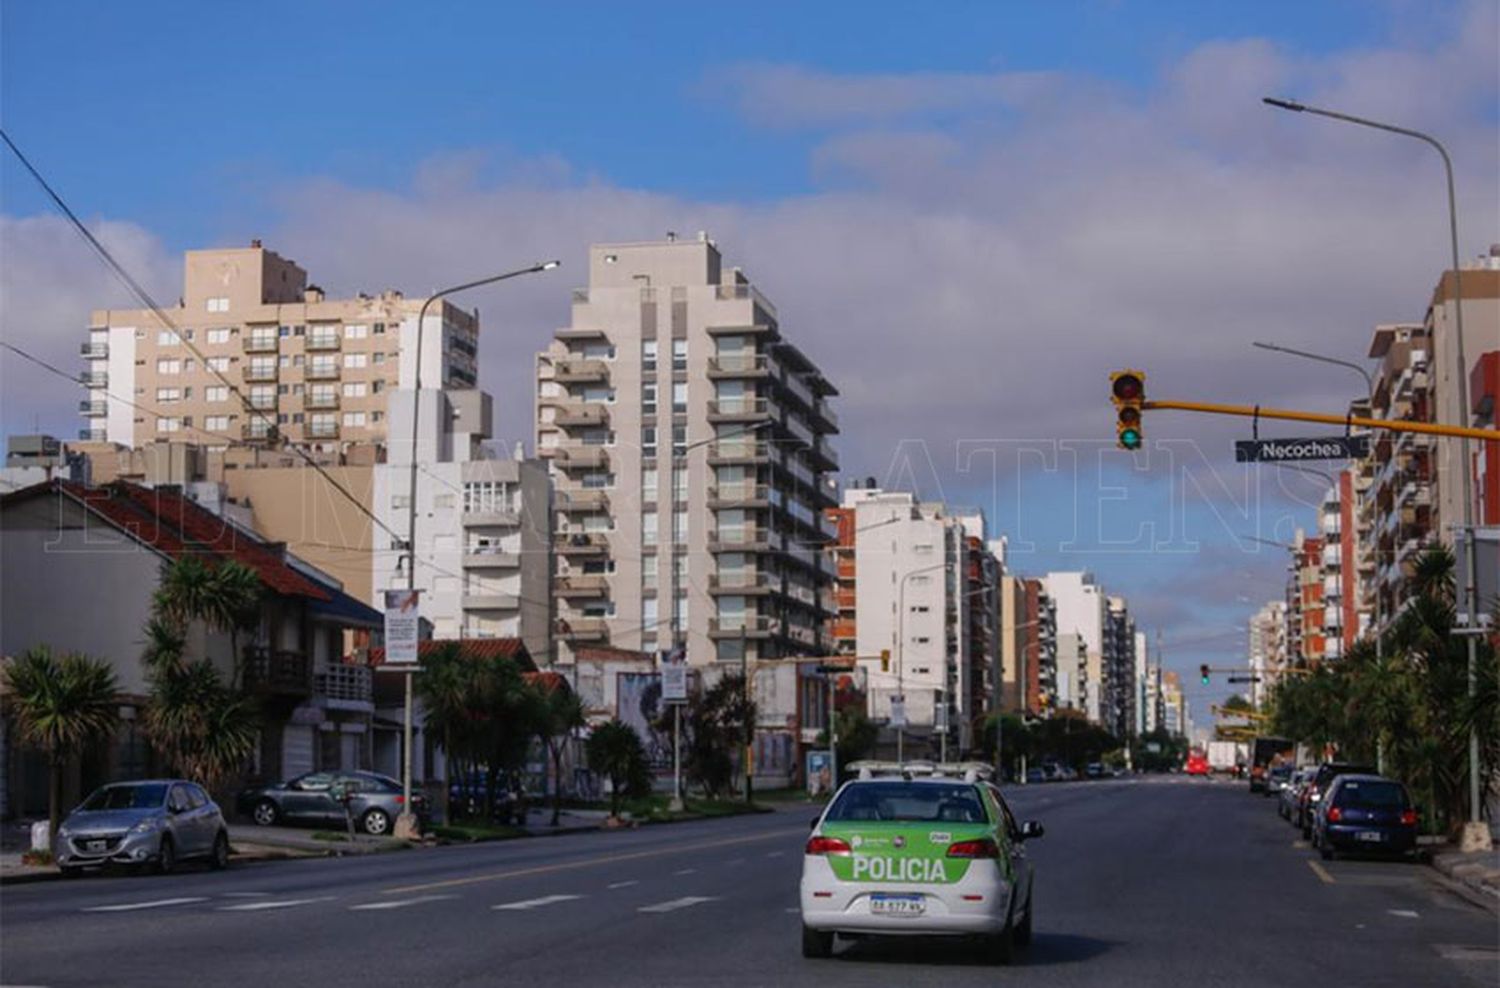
<point x="168" y="395"/>
<point x="648" y="440"/>
<point x="219" y="304"/>
<point x="679" y="355"/>
<point x="679" y="527"/>
<point x="648" y="399"/>
<point x="354" y="389"/>
<point x="679" y="440"/>
<point x="648" y="528"/>
<point x="379" y="329"/>
<point x="356" y="332"/>
<point x="354" y="419"/>
<point x="648" y="355"/>
<point x="165" y="337"/>
<point x="220" y="335"/>
<point x="648" y="484"/>
<point x="378" y="358"/>
<point x="169" y="366"/>
<point x="355" y="359"/>
<point x="216" y="423"/>
<point x="216" y="392"/>
<point x="219" y="364"/>
<point x="487" y="496"/>
<point x="167" y="425"/>
<point x="679" y="395"/>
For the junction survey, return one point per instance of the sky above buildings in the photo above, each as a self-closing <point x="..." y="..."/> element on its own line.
<point x="967" y="217"/>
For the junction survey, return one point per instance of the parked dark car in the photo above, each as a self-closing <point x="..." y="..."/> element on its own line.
<point x="1366" y="813"/>
<point x="466" y="797"/>
<point x="1277" y="778"/>
<point x="153" y="822"/>
<point x="1094" y="770"/>
<point x="1308" y="810"/>
<point x="317" y="798"/>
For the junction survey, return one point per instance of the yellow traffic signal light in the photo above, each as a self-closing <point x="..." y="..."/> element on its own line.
<point x="885" y="660"/>
<point x="1128" y="392"/>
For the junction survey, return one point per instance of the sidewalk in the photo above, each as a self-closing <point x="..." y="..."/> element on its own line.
<point x="13" y="872"/>
<point x="1479" y="872"/>
<point x="539" y="822"/>
<point x="250" y="841"/>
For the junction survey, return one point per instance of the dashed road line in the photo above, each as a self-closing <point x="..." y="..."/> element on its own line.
<point x="400" y="903"/>
<point x="1321" y="872"/>
<point x="526" y="904"/>
<point x="251" y="907"/>
<point x="126" y="907"/>
<point x="685" y="871"/>
<point x="1404" y="913"/>
<point x="620" y="885"/>
<point x="674" y="904"/>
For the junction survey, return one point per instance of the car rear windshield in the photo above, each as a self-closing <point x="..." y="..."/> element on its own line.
<point x="924" y="802"/>
<point x="1372" y="795"/>
<point x="127" y="797"/>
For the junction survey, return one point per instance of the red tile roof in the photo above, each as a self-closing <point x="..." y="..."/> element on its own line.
<point x="473" y="648"/>
<point x="547" y="679"/>
<point x="173" y="525"/>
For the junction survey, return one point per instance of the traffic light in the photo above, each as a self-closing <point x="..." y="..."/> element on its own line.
<point x="1128" y="392"/>
<point x="885" y="660"/>
<point x="1203" y="673"/>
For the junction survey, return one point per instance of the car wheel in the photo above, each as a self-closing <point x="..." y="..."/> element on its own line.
<point x="816" y="943"/>
<point x="266" y="813"/>
<point x="220" y="857"/>
<point x="166" y="856"/>
<point x="1023" y="932"/>
<point x="377" y="822"/>
<point x="1002" y="946"/>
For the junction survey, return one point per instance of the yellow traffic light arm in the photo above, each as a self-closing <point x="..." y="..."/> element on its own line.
<point x="1393" y="425"/>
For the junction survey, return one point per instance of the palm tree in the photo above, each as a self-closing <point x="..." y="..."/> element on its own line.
<point x="615" y="751"/>
<point x="61" y="706"/>
<point x="226" y="598"/>
<point x="558" y="713"/>
<point x="204" y="729"/>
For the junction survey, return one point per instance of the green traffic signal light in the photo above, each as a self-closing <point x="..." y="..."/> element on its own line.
<point x="1203" y="671"/>
<point x="1130" y="439"/>
<point x="1128" y="392"/>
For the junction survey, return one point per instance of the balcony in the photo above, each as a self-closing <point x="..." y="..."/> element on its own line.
<point x="578" y="629"/>
<point x="843" y="629"/>
<point x="94" y="379"/>
<point x="489" y="600"/>
<point x="581" y="543"/>
<point x="93" y="409"/>
<point x="487" y="558"/>
<point x="738" y="365"/>
<point x="344" y="687"/>
<point x="277" y="672"/>
<point x="582" y="500"/>
<point x="494" y="514"/>
<point x="726" y="293"/>
<point x="257" y="431"/>
<point x="580" y="371"/>
<point x="94" y="351"/>
<point x="262" y="373"/>
<point x="739" y="451"/>
<point x="739" y="496"/>
<point x="581" y="413"/>
<point x="322" y="341"/>
<point x="823" y="413"/>
<point x="582" y="457"/>
<point x="1414" y="493"/>
<point x="581" y="585"/>
<point x="93" y="435"/>
<point x="322" y="372"/>
<point x="320" y="400"/>
<point x="260" y="343"/>
<point x="577" y="332"/>
<point x="739" y="410"/>
<point x="801" y="634"/>
<point x="749" y="583"/>
<point x="322" y="430"/>
<point x="824" y="456"/>
<point x="748" y="538"/>
<point x="748" y="625"/>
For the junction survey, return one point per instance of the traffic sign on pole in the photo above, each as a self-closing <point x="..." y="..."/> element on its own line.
<point x="1291" y="450"/>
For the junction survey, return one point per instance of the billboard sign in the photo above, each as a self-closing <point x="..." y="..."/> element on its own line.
<point x="403" y="626"/>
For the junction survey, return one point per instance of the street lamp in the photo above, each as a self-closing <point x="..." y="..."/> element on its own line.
<point x="1476" y="835"/>
<point x="406" y="822"/>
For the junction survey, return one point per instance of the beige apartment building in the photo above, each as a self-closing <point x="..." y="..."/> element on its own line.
<point x="312" y="370"/>
<point x="688" y="444"/>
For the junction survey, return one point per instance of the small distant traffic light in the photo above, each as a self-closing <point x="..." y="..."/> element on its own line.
<point x="1203" y="673"/>
<point x="1128" y="392"/>
<point x="885" y="660"/>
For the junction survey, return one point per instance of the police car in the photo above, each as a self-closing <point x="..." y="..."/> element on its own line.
<point x="917" y="849"/>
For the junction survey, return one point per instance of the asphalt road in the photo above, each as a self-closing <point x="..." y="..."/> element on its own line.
<point x="1150" y="882"/>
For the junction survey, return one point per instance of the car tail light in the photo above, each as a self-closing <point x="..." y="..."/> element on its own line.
<point x="1335" y="814"/>
<point x="985" y="848"/>
<point x="827" y="845"/>
<point x="400" y="800"/>
<point x="1408" y="818"/>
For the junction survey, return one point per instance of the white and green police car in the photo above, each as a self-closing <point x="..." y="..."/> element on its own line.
<point x="917" y="849"/>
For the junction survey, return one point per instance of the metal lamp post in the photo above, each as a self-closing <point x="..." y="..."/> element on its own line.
<point x="1476" y="835"/>
<point x="406" y="822"/>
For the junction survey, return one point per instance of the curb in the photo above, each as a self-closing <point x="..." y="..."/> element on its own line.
<point x="1474" y="880"/>
<point x="27" y="877"/>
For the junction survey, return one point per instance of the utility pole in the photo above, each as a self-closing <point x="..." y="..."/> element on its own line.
<point x="749" y="714"/>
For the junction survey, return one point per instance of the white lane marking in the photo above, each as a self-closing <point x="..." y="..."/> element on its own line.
<point x="400" y="903"/>
<point x="686" y="871"/>
<point x="154" y="904"/>
<point x="545" y="900"/>
<point x="247" y="907"/>
<point x="682" y="903"/>
<point x="620" y="885"/>
<point x="1403" y="913"/>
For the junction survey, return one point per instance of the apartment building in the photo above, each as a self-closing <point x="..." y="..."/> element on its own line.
<point x="1016" y="632"/>
<point x="1041" y="648"/>
<point x="843" y="633"/>
<point x="1083" y="612"/>
<point x="688" y="443"/>
<point x="1118" y="703"/>
<point x="1306" y="601"/>
<point x="1174" y="705"/>
<point x="1140" y="692"/>
<point x="314" y="371"/>
<point x="1155" y="713"/>
<point x="1268" y="649"/>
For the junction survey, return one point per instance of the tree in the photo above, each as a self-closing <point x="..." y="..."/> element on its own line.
<point x="61" y="706"/>
<point x="615" y="751"/>
<point x="857" y="737"/>
<point x="716" y="724"/>
<point x="559" y="712"/>
<point x="226" y="598"/>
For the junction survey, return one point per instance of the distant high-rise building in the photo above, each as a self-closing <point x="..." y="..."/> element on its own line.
<point x="1081" y="611"/>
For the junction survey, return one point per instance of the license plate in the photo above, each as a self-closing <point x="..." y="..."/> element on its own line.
<point x="97" y="845"/>
<point x="1373" y="836"/>
<point x="897" y="905"/>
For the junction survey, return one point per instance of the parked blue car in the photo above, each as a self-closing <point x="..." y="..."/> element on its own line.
<point x="1365" y="813"/>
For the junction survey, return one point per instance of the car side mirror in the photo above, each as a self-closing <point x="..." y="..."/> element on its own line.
<point x="1032" y="828"/>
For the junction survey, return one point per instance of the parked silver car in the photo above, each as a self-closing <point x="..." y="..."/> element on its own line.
<point x="153" y="822"/>
<point x="1289" y="796"/>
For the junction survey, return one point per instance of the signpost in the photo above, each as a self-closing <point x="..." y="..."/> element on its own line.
<point x="898" y="711"/>
<point x="1292" y="450"/>
<point x="674" y="691"/>
<point x="403" y="628"/>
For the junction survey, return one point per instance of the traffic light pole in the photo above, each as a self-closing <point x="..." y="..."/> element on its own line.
<point x="1257" y="411"/>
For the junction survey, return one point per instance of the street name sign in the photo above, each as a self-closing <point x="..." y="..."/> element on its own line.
<point x="1288" y="450"/>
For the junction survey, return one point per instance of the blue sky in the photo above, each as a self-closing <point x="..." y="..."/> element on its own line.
<point x="968" y="217"/>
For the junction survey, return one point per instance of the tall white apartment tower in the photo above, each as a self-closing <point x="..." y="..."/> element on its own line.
<point x="688" y="444"/>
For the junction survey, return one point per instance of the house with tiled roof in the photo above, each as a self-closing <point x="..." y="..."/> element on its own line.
<point x="80" y="565"/>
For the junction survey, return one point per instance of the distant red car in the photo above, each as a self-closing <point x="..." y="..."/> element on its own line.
<point x="1196" y="765"/>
